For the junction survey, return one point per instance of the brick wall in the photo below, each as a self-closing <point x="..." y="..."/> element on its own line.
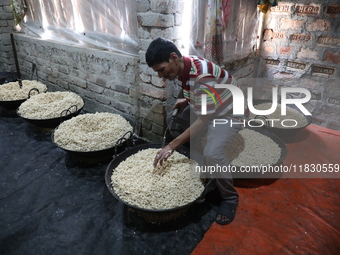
<point x="301" y="48"/>
<point x="156" y="18"/>
<point x="106" y="80"/>
<point x="7" y="24"/>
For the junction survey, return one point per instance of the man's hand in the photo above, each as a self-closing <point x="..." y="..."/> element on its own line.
<point x="181" y="103"/>
<point x="162" y="155"/>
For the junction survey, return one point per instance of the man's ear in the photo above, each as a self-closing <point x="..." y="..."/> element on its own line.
<point x="173" y="56"/>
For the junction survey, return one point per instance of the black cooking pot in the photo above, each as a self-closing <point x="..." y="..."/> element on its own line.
<point x="279" y="131"/>
<point x="154" y="216"/>
<point x="14" y="104"/>
<point x="100" y="154"/>
<point x="54" y="122"/>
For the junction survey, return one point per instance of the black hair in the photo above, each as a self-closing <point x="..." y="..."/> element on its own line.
<point x="159" y="51"/>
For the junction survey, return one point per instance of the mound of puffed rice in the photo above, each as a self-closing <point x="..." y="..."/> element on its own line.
<point x="138" y="183"/>
<point x="11" y="91"/>
<point x="91" y="131"/>
<point x="251" y="148"/>
<point x="50" y="105"/>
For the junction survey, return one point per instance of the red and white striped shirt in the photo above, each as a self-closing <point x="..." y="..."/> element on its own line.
<point x="200" y="77"/>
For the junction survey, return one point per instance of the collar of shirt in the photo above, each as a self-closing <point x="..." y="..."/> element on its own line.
<point x="186" y="70"/>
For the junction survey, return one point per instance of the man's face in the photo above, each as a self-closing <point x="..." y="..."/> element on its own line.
<point x="166" y="70"/>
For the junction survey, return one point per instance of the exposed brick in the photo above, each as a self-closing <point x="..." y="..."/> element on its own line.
<point x="300" y="38"/>
<point x="145" y="78"/>
<point x="63" y="84"/>
<point x="285" y="50"/>
<point x="121" y="97"/>
<point x="3" y="23"/>
<point x="283" y="75"/>
<point x="308" y="9"/>
<point x="103" y="99"/>
<point x="5" y="16"/>
<point x="329" y="40"/>
<point x="296" y="65"/>
<point x="122" y="107"/>
<point x="158" y="129"/>
<point x="8" y="9"/>
<point x="269" y="50"/>
<point x="146" y="124"/>
<point x="122" y="88"/>
<point x="333" y="100"/>
<point x="272" y="62"/>
<point x="156" y="118"/>
<point x="322" y="70"/>
<point x="109" y="92"/>
<point x="5" y="30"/>
<point x="167" y="6"/>
<point x="171" y="32"/>
<point x="158" y="82"/>
<point x="335" y="58"/>
<point x="319" y="25"/>
<point x="5" y="2"/>
<point x="150" y="19"/>
<point x="101" y="81"/>
<point x="63" y="69"/>
<point x="333" y="9"/>
<point x="144" y="32"/>
<point x="291" y="24"/>
<point x="307" y="53"/>
<point x="143" y="5"/>
<point x="158" y="107"/>
<point x="141" y="54"/>
<point x="281" y="8"/>
<point x="146" y="70"/>
<point x="153" y="91"/>
<point x="95" y="88"/>
<point x="144" y="44"/>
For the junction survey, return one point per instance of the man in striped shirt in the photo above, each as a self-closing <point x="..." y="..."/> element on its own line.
<point x="199" y="77"/>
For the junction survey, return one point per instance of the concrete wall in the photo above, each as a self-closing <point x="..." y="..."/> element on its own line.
<point x="301" y="48"/>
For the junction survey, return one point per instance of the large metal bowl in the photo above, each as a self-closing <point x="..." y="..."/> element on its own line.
<point x="154" y="216"/>
<point x="90" y="156"/>
<point x="280" y="132"/>
<point x="14" y="104"/>
<point x="54" y="122"/>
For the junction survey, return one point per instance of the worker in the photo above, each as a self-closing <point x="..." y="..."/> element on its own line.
<point x="199" y="76"/>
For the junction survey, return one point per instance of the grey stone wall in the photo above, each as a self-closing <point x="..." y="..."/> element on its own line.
<point x="301" y="48"/>
<point x="156" y="18"/>
<point x="106" y="80"/>
<point x="7" y="24"/>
